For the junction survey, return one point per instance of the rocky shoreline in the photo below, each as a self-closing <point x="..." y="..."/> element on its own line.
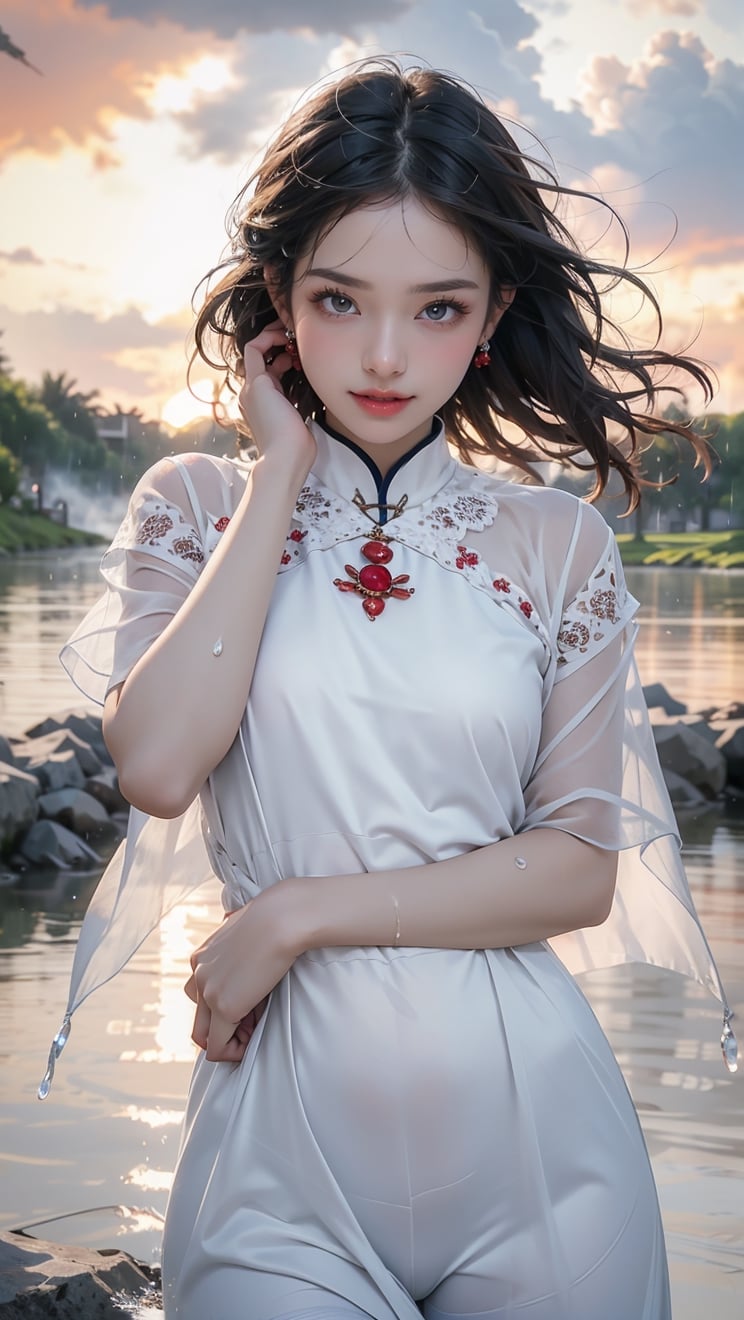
<point x="39" y="1279"/>
<point x="60" y="804"/>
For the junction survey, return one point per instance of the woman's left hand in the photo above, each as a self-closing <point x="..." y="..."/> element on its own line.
<point x="233" y="972"/>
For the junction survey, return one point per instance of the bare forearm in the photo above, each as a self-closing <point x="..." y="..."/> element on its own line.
<point x="482" y="899"/>
<point x="180" y="708"/>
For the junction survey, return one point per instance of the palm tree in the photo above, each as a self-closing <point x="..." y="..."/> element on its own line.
<point x="74" y="410"/>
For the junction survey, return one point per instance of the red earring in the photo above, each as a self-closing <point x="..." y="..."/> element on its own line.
<point x="483" y="357"/>
<point x="292" y="349"/>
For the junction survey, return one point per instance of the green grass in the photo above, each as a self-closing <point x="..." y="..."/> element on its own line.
<point x="30" y="531"/>
<point x="690" y="549"/>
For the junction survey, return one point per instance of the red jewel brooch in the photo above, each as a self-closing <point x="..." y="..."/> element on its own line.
<point x="374" y="582"/>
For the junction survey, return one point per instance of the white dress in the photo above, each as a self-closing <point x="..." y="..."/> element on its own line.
<point x="411" y="1130"/>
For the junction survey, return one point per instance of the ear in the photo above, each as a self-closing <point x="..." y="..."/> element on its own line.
<point x="506" y="297"/>
<point x="281" y="306"/>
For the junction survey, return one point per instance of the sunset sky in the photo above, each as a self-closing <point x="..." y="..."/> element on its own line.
<point x="120" y="161"/>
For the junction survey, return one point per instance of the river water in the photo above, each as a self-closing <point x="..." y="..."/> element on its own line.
<point x="100" y="1150"/>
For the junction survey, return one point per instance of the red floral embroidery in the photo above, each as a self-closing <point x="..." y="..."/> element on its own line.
<point x="526" y="608"/>
<point x="575" y="635"/>
<point x="154" y="529"/>
<point x="221" y="524"/>
<point x="501" y="584"/>
<point x="286" y="558"/>
<point x="186" y="548"/>
<point x="296" y="534"/>
<point x="466" y="558"/>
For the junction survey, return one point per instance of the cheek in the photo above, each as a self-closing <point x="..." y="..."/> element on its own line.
<point x="450" y="355"/>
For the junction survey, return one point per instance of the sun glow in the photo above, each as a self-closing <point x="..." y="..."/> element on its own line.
<point x="188" y="404"/>
<point x="176" y="92"/>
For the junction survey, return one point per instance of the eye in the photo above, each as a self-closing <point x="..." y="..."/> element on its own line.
<point x="334" y="302"/>
<point x="443" y="311"/>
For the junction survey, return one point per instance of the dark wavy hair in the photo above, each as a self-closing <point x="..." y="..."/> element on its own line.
<point x="561" y="370"/>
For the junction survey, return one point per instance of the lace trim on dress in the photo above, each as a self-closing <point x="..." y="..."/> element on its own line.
<point x="156" y="525"/>
<point x="438" y="528"/>
<point x="595" y="613"/>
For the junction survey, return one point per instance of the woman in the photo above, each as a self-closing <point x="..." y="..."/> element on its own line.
<point x="403" y="1103"/>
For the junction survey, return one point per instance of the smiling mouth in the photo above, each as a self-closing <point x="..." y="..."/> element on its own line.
<point x="381" y="396"/>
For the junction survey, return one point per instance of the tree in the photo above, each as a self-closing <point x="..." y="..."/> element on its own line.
<point x="27" y="429"/>
<point x="69" y="405"/>
<point x="10" y="471"/>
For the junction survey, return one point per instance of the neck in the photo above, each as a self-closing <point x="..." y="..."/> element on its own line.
<point x="382" y="459"/>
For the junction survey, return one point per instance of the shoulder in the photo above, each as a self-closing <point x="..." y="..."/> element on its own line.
<point x="556" y="520"/>
<point x="180" y="479"/>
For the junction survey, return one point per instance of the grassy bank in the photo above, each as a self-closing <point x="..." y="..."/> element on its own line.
<point x="684" y="549"/>
<point x="30" y="531"/>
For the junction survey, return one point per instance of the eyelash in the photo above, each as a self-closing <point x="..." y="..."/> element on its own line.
<point x="458" y="307"/>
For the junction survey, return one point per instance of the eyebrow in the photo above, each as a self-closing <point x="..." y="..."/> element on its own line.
<point x="438" y="286"/>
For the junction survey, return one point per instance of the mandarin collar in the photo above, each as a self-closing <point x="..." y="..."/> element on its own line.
<point x="345" y="468"/>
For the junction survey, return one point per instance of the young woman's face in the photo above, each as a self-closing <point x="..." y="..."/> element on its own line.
<point x="388" y="310"/>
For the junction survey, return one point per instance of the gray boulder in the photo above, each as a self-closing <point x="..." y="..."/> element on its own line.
<point x="18" y="802"/>
<point x="657" y="695"/>
<point x="658" y="715"/>
<point x="723" y="714"/>
<point x="39" y="1279"/>
<point x="105" y="788"/>
<point x="58" y="770"/>
<point x="730" y="742"/>
<point x="49" y="842"/>
<point x="683" y="794"/>
<point x="59" y="740"/>
<point x="86" y="725"/>
<point x="693" y="757"/>
<point x="75" y="809"/>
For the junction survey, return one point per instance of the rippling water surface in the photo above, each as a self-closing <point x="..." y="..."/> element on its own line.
<point x="107" y="1136"/>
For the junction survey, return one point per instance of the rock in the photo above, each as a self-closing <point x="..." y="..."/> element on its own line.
<point x="59" y="740"/>
<point x="81" y="722"/>
<point x="48" y="841"/>
<point x="39" y="1279"/>
<point x="657" y="695"/>
<point x="6" y="751"/>
<point x="75" y="809"/>
<point x="658" y="715"/>
<point x="724" y="714"/>
<point x="105" y="788"/>
<point x="60" y="770"/>
<point x="18" y="802"/>
<point x="691" y="756"/>
<point x="730" y="741"/>
<point x="682" y="793"/>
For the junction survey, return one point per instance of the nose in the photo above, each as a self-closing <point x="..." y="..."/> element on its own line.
<point x="385" y="351"/>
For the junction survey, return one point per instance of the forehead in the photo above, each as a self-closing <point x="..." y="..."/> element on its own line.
<point x="400" y="239"/>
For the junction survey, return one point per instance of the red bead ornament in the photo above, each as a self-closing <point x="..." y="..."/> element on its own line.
<point x="375" y="577"/>
<point x="221" y="524"/>
<point x="482" y="357"/>
<point x="378" y="552"/>
<point x="374" y="582"/>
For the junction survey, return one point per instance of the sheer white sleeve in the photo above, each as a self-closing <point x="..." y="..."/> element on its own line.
<point x="597" y="775"/>
<point x="149" y="569"/>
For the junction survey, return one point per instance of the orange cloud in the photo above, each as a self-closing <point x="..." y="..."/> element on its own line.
<point x="95" y="68"/>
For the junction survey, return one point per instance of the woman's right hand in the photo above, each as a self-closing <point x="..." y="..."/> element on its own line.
<point x="275" y="424"/>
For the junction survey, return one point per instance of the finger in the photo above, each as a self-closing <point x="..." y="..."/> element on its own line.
<point x="200" y="1030"/>
<point x="256" y="349"/>
<point x="222" y="1043"/>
